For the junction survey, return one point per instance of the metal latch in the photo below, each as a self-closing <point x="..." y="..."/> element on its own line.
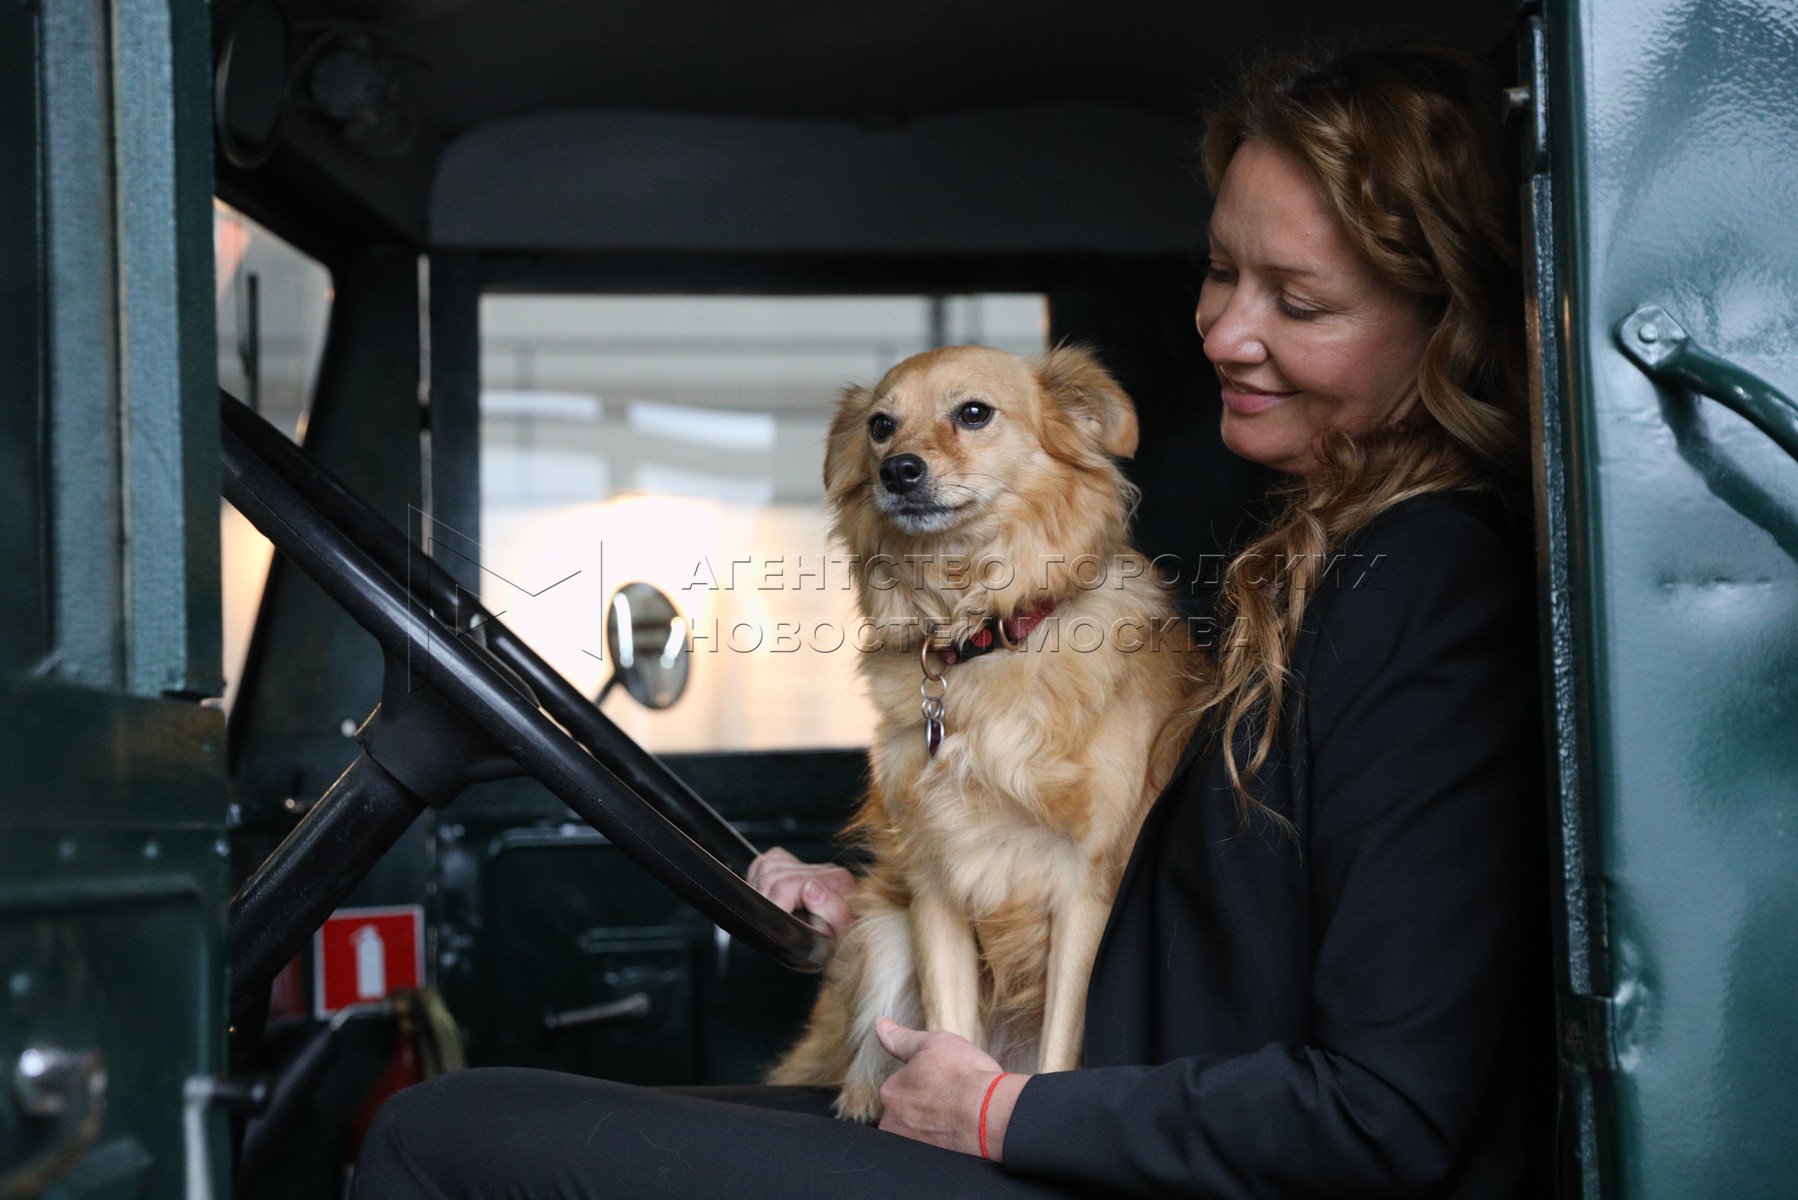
<point x="64" y="1086"/>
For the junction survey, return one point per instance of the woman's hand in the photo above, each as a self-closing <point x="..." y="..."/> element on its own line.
<point x="822" y="889"/>
<point x="937" y="1095"/>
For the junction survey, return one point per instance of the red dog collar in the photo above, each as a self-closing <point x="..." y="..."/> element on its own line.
<point x="995" y="633"/>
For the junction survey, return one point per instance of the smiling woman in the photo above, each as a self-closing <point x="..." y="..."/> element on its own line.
<point x="1362" y="309"/>
<point x="1305" y="335"/>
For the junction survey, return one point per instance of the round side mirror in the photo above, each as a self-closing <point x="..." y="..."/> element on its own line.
<point x="647" y="639"/>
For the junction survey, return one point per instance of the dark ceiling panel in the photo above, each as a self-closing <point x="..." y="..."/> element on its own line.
<point x="464" y="64"/>
<point x="861" y="60"/>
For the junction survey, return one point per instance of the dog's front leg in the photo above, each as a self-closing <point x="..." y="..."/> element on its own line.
<point x="948" y="966"/>
<point x="1074" y="933"/>
<point x="886" y="987"/>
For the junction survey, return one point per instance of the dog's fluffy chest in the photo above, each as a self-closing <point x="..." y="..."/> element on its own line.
<point x="1040" y="770"/>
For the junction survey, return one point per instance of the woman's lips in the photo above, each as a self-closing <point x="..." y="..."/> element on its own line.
<point x="1238" y="400"/>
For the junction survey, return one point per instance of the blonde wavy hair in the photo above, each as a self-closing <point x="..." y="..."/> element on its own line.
<point x="1406" y="143"/>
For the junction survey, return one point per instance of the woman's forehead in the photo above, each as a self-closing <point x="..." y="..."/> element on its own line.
<point x="1270" y="214"/>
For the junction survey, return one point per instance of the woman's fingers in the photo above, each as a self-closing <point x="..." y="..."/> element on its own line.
<point x="766" y="863"/>
<point x="937" y="1095"/>
<point x="784" y="889"/>
<point x="828" y="904"/>
<point x="898" y="1040"/>
<point x="822" y="889"/>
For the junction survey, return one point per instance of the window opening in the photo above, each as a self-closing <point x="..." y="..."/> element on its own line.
<point x="274" y="303"/>
<point x="680" y="440"/>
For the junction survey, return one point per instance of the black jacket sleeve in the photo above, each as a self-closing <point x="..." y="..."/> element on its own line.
<point x="1423" y="781"/>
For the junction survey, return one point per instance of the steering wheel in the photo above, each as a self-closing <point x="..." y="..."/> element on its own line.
<point x="432" y="632"/>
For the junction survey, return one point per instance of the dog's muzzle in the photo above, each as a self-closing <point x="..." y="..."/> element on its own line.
<point x="903" y="474"/>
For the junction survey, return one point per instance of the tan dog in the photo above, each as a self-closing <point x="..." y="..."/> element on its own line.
<point x="979" y="494"/>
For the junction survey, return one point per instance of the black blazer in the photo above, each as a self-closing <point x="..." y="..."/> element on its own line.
<point x="1357" y="1011"/>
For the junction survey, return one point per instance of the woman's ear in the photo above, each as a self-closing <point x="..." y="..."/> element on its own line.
<point x="1088" y="394"/>
<point x="842" y="444"/>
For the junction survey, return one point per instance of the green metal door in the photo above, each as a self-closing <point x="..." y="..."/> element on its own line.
<point x="1665" y="204"/>
<point x="113" y="880"/>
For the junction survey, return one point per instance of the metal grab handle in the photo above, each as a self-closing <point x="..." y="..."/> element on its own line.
<point x="1666" y="353"/>
<point x="66" y="1087"/>
<point x="637" y="1004"/>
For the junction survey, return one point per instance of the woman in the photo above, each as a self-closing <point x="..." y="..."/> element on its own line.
<point x="1318" y="974"/>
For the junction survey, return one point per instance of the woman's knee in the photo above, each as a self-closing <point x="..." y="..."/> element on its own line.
<point x="414" y="1144"/>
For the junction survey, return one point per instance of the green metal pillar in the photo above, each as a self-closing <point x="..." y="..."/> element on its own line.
<point x="113" y="876"/>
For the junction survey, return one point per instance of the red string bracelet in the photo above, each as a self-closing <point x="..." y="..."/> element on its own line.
<point x="990" y="1089"/>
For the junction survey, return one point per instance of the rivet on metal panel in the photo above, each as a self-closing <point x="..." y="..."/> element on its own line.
<point x="1650" y="336"/>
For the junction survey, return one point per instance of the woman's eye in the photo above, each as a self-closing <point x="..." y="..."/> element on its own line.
<point x="1295" y="312"/>
<point x="1217" y="273"/>
<point x="973" y="414"/>
<point x="881" y="427"/>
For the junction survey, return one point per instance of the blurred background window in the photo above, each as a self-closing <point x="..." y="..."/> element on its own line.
<point x="273" y="305"/>
<point x="680" y="441"/>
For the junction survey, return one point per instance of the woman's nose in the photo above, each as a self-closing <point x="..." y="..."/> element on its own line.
<point x="1229" y="333"/>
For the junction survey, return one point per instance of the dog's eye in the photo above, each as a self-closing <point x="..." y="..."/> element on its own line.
<point x="973" y="414"/>
<point x="881" y="427"/>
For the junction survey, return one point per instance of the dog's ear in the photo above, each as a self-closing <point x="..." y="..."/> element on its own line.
<point x="1088" y="394"/>
<point x="845" y="436"/>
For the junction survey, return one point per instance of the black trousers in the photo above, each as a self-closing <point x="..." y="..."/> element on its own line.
<point x="520" y="1134"/>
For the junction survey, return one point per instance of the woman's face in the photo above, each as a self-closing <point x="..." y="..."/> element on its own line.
<point x="1305" y="337"/>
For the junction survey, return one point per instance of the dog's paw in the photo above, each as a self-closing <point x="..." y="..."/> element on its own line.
<point x="859" y="1102"/>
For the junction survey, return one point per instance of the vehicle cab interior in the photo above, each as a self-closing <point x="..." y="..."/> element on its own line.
<point x="420" y="577"/>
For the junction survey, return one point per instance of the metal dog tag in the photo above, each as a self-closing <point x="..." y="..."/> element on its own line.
<point x="932" y="688"/>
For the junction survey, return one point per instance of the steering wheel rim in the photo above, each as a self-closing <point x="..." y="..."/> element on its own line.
<point x="409" y="631"/>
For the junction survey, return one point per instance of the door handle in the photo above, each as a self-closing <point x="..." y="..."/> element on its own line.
<point x="637" y="1004"/>
<point x="1666" y="353"/>
<point x="66" y="1087"/>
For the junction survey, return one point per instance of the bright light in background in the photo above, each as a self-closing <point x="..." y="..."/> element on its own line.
<point x="244" y="556"/>
<point x="703" y="426"/>
<point x="677" y="640"/>
<point x="744" y="690"/>
<point x="627" y="653"/>
<point x="267" y="351"/>
<point x="230" y="242"/>
<point x="558" y="406"/>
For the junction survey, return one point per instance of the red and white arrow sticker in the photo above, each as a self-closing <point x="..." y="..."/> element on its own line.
<point x="362" y="955"/>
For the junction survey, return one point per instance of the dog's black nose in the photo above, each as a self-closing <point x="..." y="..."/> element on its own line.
<point x="902" y="473"/>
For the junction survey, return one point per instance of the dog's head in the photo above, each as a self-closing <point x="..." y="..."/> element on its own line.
<point x="954" y="438"/>
<point x="973" y="456"/>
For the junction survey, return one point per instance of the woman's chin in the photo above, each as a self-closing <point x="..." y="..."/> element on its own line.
<point x="1261" y="438"/>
